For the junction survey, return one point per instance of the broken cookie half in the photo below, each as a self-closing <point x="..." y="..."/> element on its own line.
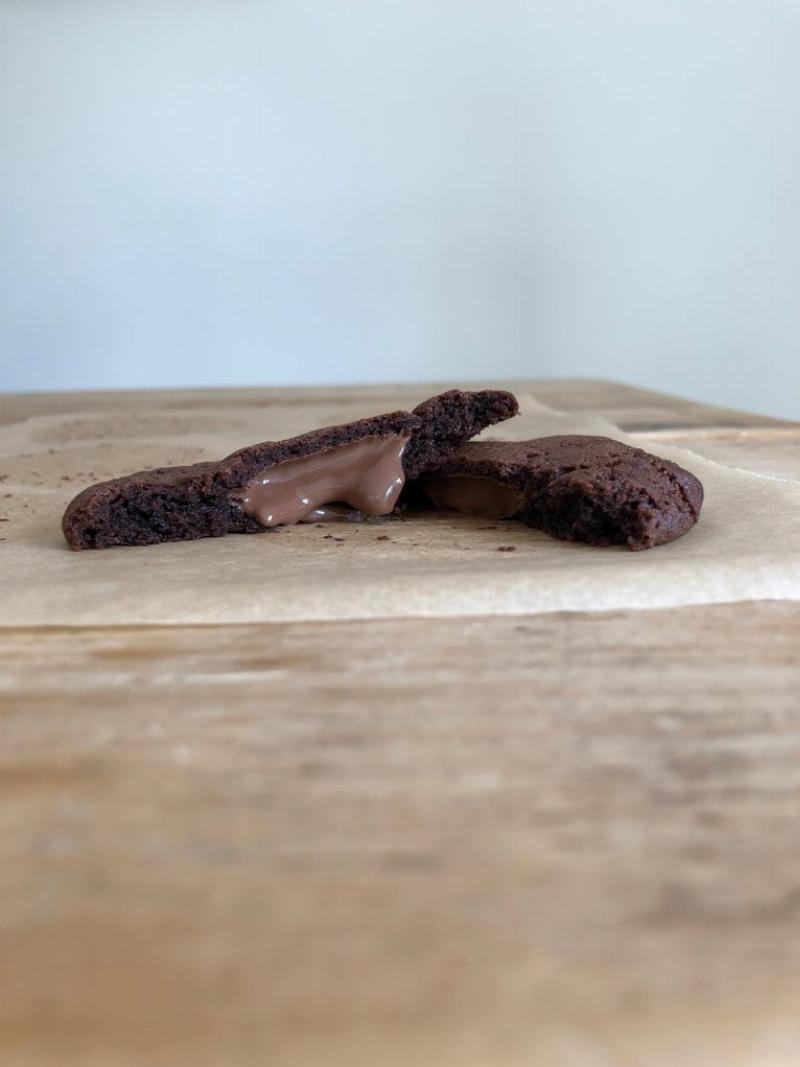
<point x="360" y="467"/>
<point x="576" y="488"/>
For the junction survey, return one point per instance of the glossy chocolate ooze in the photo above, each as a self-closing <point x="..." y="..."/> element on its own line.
<point x="366" y="474"/>
<point x="479" y="496"/>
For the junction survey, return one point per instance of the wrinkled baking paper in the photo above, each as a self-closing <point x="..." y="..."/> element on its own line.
<point x="746" y="546"/>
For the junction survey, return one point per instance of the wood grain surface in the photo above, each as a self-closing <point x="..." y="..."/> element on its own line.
<point x="568" y="840"/>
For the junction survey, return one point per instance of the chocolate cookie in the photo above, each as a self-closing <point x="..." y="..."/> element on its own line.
<point x="575" y="488"/>
<point x="362" y="464"/>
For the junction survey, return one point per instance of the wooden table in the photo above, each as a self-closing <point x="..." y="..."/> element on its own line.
<point x="559" y="840"/>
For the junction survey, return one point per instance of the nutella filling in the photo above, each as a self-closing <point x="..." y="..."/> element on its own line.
<point x="366" y="474"/>
<point x="335" y="513"/>
<point x="481" y="496"/>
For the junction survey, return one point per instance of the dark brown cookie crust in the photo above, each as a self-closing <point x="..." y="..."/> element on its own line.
<point x="449" y="420"/>
<point x="183" y="503"/>
<point x="591" y="489"/>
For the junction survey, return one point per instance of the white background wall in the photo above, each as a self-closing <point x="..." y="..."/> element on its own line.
<point x="231" y="191"/>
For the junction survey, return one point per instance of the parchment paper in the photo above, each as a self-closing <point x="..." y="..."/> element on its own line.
<point x="747" y="545"/>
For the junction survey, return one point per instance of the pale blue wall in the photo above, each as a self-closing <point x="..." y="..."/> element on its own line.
<point x="223" y="191"/>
